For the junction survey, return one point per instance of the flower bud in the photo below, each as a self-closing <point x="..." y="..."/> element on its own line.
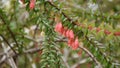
<point x="98" y="29"/>
<point x="117" y="33"/>
<point x="107" y="32"/>
<point x="32" y="4"/>
<point x="76" y="44"/>
<point x="58" y="27"/>
<point x="71" y="34"/>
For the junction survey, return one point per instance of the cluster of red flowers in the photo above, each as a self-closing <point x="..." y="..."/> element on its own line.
<point x="107" y="32"/>
<point x="32" y="4"/>
<point x="72" y="41"/>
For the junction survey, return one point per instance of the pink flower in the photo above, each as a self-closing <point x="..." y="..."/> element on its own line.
<point x="90" y="27"/>
<point x="70" y="41"/>
<point x="98" y="29"/>
<point x="71" y="34"/>
<point x="117" y="34"/>
<point x="75" y="44"/>
<point x="59" y="27"/>
<point x="32" y="4"/>
<point x="67" y="33"/>
<point x="64" y="32"/>
<point x="107" y="32"/>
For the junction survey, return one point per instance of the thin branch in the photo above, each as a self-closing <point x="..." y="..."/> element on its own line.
<point x="10" y="60"/>
<point x="80" y="62"/>
<point x="91" y="55"/>
<point x="29" y="51"/>
<point x="8" y="43"/>
<point x="10" y="31"/>
<point x="69" y="19"/>
<point x="35" y="30"/>
<point x="41" y="39"/>
<point x="99" y="51"/>
<point x="32" y="51"/>
<point x="36" y="49"/>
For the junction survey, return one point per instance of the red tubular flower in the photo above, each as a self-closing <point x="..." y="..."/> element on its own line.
<point x="76" y="44"/>
<point x="70" y="41"/>
<point x="117" y="34"/>
<point x="107" y="32"/>
<point x="67" y="33"/>
<point x="58" y="27"/>
<point x="64" y="32"/>
<point x="32" y="4"/>
<point x="71" y="34"/>
<point x="98" y="29"/>
<point x="73" y="45"/>
<point x="90" y="27"/>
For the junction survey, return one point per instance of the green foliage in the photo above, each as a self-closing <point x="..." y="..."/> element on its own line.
<point x="26" y="29"/>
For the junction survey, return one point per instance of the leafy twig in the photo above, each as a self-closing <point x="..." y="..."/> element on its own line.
<point x="8" y="43"/>
<point x="10" y="31"/>
<point x="107" y="59"/>
<point x="91" y="55"/>
<point x="10" y="60"/>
